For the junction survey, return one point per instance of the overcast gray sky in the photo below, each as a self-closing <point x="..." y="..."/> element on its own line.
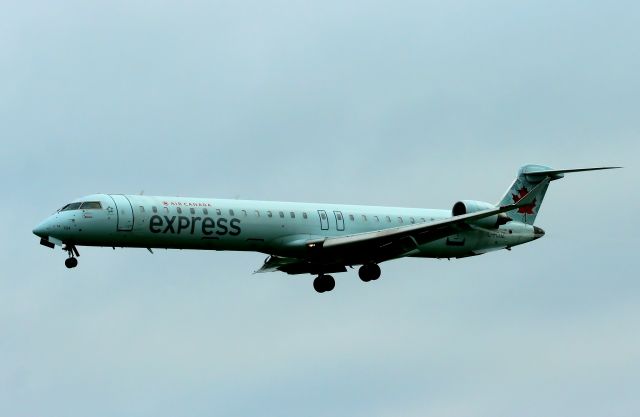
<point x="407" y="103"/>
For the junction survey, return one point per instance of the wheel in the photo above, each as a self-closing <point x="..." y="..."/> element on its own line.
<point x="363" y="273"/>
<point x="329" y="283"/>
<point x="318" y="284"/>
<point x="369" y="272"/>
<point x="324" y="283"/>
<point x="71" y="262"/>
<point x="375" y="272"/>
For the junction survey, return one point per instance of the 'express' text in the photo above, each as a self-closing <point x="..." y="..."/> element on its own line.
<point x="183" y="224"/>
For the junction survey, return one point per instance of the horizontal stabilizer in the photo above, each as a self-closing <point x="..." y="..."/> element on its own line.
<point x="558" y="172"/>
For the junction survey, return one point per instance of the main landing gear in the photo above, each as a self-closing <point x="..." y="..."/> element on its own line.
<point x="71" y="261"/>
<point x="324" y="283"/>
<point x="369" y="272"/>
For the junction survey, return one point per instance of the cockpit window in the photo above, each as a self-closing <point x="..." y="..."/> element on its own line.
<point x="72" y="206"/>
<point x="82" y="205"/>
<point x="91" y="205"/>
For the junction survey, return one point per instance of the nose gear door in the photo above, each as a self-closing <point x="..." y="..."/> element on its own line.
<point x="124" y="212"/>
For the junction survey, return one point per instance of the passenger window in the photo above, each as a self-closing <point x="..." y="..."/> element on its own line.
<point x="154" y="209"/>
<point x="218" y="212"/>
<point x="205" y="211"/>
<point x="269" y="213"/>
<point x="351" y="217"/>
<point x="257" y="213"/>
<point x="192" y="210"/>
<point x="166" y="210"/>
<point x="304" y="214"/>
<point x="338" y="216"/>
<point x="377" y="219"/>
<point x="141" y="209"/>
<point x="231" y="212"/>
<point x="399" y="219"/>
<point x="179" y="210"/>
<point x="364" y="218"/>
<point x="282" y="214"/>
<point x="293" y="215"/>
<point x="412" y="220"/>
<point x="388" y="219"/>
<point x="244" y="213"/>
<point x="72" y="206"/>
<point x="91" y="205"/>
<point x="422" y="219"/>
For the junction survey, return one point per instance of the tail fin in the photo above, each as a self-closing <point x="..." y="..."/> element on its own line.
<point x="528" y="177"/>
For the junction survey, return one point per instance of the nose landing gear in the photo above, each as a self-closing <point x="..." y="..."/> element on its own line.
<point x="71" y="261"/>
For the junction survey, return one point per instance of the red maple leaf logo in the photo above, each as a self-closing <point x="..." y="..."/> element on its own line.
<point x="166" y="203"/>
<point x="528" y="209"/>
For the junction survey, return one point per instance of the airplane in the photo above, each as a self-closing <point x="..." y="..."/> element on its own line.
<point x="305" y="238"/>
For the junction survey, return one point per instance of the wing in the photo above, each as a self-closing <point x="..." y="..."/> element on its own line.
<point x="387" y="244"/>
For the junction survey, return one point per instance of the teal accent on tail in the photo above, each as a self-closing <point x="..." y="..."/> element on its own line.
<point x="522" y="185"/>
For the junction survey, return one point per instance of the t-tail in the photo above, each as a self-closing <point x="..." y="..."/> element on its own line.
<point x="528" y="177"/>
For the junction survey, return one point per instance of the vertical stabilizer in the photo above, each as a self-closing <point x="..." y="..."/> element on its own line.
<point x="522" y="185"/>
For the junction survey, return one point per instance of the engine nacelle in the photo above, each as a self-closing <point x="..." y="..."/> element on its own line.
<point x="472" y="206"/>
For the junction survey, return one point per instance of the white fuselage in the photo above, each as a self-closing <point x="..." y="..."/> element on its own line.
<point x="275" y="228"/>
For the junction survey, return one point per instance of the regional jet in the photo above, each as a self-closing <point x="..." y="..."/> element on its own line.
<point x="304" y="238"/>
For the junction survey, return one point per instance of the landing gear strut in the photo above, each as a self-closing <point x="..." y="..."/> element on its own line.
<point x="324" y="283"/>
<point x="369" y="272"/>
<point x="71" y="261"/>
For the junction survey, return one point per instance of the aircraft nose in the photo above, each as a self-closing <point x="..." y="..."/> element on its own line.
<point x="538" y="232"/>
<point x="42" y="229"/>
<point x="39" y="230"/>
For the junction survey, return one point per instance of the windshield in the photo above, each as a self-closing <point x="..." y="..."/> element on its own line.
<point x="84" y="205"/>
<point x="72" y="206"/>
<point x="91" y="205"/>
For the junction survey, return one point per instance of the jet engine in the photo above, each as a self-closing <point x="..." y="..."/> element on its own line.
<point x="472" y="206"/>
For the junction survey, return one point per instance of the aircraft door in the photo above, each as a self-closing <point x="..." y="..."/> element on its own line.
<point x="324" y="220"/>
<point x="339" y="220"/>
<point x="124" y="211"/>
